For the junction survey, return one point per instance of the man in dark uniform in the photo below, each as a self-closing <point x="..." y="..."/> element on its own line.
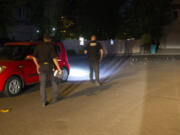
<point x="95" y="55"/>
<point x="44" y="56"/>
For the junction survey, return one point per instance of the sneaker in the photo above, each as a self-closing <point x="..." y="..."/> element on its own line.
<point x="98" y="83"/>
<point x="92" y="81"/>
<point x="45" y="104"/>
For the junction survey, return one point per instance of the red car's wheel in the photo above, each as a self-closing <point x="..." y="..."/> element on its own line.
<point x="65" y="74"/>
<point x="13" y="86"/>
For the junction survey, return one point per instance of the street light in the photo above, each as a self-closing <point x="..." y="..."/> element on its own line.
<point x="112" y="42"/>
<point x="53" y="29"/>
<point x="37" y="31"/>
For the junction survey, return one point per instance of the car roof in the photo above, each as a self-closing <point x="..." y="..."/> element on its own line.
<point x="28" y="43"/>
<point x="22" y="43"/>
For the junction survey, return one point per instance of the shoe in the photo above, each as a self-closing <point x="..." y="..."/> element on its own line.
<point x="92" y="81"/>
<point x="45" y="104"/>
<point x="98" y="83"/>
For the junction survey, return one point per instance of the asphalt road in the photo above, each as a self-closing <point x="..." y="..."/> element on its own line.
<point x="140" y="96"/>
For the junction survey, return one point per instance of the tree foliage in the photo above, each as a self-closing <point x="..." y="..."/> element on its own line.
<point x="106" y="19"/>
<point x="6" y="17"/>
<point x="90" y="17"/>
<point x="147" y="17"/>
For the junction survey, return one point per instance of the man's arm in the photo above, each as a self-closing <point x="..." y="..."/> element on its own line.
<point x="57" y="65"/>
<point x="101" y="51"/>
<point x="101" y="54"/>
<point x="54" y="59"/>
<point x="86" y="49"/>
<point x="35" y="56"/>
<point x="36" y="63"/>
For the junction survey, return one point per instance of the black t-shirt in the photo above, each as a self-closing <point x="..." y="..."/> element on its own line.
<point x="44" y="53"/>
<point x="93" y="48"/>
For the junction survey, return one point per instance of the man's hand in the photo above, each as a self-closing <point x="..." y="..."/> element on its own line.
<point x="57" y="65"/>
<point x="36" y="63"/>
<point x="60" y="71"/>
<point x="85" y="52"/>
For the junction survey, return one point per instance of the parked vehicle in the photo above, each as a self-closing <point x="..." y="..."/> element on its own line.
<point x="17" y="68"/>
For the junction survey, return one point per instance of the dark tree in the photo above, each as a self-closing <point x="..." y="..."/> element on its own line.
<point x="6" y="17"/>
<point x="84" y="17"/>
<point x="147" y="17"/>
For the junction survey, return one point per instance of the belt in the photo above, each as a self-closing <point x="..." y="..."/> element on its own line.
<point x="45" y="63"/>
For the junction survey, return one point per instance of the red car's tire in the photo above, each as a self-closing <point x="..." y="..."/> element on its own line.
<point x="65" y="74"/>
<point x="13" y="86"/>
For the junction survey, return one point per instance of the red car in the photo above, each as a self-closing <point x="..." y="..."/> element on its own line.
<point x="17" y="69"/>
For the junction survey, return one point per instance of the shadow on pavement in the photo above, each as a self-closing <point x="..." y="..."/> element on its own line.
<point x="67" y="90"/>
<point x="90" y="91"/>
<point x="114" y="67"/>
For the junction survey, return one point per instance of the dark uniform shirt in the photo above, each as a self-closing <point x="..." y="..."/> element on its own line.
<point x="44" y="53"/>
<point x="93" y="48"/>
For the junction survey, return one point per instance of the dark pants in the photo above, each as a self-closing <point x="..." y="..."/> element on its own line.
<point x="94" y="67"/>
<point x="43" y="79"/>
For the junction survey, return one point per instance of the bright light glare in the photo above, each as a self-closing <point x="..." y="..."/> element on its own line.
<point x="82" y="74"/>
<point x="81" y="39"/>
<point x="81" y="71"/>
<point x="78" y="74"/>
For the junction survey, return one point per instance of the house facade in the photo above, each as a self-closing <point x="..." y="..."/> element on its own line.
<point x="22" y="29"/>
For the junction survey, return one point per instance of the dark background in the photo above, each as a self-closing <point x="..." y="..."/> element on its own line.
<point x="119" y="19"/>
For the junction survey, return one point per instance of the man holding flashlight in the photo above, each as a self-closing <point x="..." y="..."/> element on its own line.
<point x="44" y="56"/>
<point x="95" y="56"/>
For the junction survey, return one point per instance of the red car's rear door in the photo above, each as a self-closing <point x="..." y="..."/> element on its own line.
<point x="28" y="68"/>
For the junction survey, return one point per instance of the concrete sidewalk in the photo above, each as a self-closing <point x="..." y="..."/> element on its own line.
<point x="160" y="52"/>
